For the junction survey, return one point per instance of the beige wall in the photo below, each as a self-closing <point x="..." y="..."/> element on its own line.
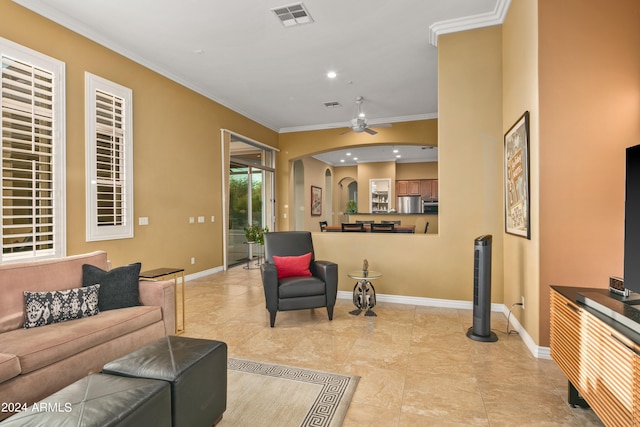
<point x="177" y="154"/>
<point x="589" y="113"/>
<point x="314" y="174"/>
<point x="470" y="152"/>
<point x="469" y="170"/>
<point x="520" y="94"/>
<point x="425" y="170"/>
<point x="342" y="177"/>
<point x="374" y="170"/>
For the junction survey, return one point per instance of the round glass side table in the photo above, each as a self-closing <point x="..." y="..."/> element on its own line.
<point x="364" y="294"/>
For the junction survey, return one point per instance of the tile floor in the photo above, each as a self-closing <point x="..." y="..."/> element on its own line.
<point x="417" y="367"/>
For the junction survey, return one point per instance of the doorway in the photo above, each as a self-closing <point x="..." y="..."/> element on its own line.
<point x="246" y="207"/>
<point x="250" y="189"/>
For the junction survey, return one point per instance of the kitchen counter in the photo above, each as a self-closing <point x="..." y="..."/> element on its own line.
<point x="418" y="220"/>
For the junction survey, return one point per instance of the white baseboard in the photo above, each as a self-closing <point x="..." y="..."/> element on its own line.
<point x="536" y="350"/>
<point x="203" y="273"/>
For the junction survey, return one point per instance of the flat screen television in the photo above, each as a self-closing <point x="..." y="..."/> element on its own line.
<point x="632" y="221"/>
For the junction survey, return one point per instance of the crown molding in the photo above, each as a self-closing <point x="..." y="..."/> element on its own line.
<point x="470" y="22"/>
<point x="371" y="122"/>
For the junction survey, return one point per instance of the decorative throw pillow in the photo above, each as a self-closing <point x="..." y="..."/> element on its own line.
<point x="119" y="287"/>
<point x="293" y="265"/>
<point x="44" y="308"/>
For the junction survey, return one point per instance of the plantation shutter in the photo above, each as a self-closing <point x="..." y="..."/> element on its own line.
<point x="110" y="156"/>
<point x="109" y="162"/>
<point x="27" y="103"/>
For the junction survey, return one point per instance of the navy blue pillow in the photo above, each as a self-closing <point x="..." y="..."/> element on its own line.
<point x="118" y="287"/>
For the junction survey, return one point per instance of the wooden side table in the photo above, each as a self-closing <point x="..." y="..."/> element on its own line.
<point x="159" y="273"/>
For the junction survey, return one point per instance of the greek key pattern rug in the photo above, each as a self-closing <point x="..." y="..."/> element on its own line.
<point x="332" y="396"/>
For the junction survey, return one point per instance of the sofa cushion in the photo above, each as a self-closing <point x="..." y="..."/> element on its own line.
<point x="49" y="275"/>
<point x="9" y="367"/>
<point x="48" y="344"/>
<point x="45" y="308"/>
<point x="119" y="287"/>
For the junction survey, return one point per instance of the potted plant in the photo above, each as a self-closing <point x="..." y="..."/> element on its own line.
<point x="352" y="207"/>
<point x="255" y="234"/>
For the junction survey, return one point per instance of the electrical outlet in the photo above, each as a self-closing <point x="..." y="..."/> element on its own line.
<point x="522" y="302"/>
<point x="200" y="220"/>
<point x="193" y="260"/>
<point x="213" y="218"/>
<point x="192" y="220"/>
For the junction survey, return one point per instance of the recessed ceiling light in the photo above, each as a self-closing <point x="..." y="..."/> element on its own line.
<point x="348" y="154"/>
<point x="341" y="160"/>
<point x="395" y="151"/>
<point x="355" y="158"/>
<point x="398" y="156"/>
<point x="332" y="74"/>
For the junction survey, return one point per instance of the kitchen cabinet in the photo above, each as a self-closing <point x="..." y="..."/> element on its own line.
<point x="408" y="187"/>
<point x="429" y="189"/>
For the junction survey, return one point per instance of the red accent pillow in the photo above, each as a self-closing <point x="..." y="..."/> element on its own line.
<point x="293" y="265"/>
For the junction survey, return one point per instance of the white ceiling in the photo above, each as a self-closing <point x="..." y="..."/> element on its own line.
<point x="380" y="153"/>
<point x="237" y="52"/>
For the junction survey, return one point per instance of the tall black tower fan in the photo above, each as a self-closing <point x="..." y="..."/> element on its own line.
<point x="481" y="329"/>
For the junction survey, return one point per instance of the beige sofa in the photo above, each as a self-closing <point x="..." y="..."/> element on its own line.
<point x="38" y="361"/>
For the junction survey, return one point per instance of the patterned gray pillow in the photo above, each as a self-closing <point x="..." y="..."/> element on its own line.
<point x="44" y="308"/>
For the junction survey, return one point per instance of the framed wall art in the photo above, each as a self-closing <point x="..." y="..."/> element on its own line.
<point x="516" y="178"/>
<point x="316" y="201"/>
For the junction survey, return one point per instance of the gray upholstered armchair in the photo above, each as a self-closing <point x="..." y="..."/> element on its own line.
<point x="318" y="288"/>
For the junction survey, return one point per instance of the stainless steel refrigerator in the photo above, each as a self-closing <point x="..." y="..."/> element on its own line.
<point x="409" y="204"/>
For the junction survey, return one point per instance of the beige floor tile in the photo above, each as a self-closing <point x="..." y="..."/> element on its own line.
<point x="417" y="366"/>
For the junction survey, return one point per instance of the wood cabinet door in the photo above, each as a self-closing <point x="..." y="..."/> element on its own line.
<point x="402" y="188"/>
<point x="566" y="341"/>
<point x="414" y="188"/>
<point x="611" y="372"/>
<point x="426" y="189"/>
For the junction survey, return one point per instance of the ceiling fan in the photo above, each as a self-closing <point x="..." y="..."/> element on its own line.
<point x="359" y="122"/>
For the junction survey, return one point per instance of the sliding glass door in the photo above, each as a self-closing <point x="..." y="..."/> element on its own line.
<point x="248" y="205"/>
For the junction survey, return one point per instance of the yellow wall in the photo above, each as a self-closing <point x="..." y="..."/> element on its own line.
<point x="589" y="63"/>
<point x="425" y="170"/>
<point x="342" y="176"/>
<point x="520" y="94"/>
<point x="314" y="174"/>
<point x="374" y="170"/>
<point x="470" y="180"/>
<point x="177" y="155"/>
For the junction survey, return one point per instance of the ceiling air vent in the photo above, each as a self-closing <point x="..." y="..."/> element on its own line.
<point x="332" y="104"/>
<point x="295" y="14"/>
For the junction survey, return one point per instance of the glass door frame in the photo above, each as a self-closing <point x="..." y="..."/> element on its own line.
<point x="268" y="183"/>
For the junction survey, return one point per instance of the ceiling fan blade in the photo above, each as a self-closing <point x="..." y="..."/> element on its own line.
<point x="370" y="131"/>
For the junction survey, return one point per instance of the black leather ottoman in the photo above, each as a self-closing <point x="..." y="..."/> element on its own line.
<point x="101" y="400"/>
<point x="196" y="370"/>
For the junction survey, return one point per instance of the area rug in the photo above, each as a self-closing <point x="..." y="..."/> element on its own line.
<point x="263" y="394"/>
